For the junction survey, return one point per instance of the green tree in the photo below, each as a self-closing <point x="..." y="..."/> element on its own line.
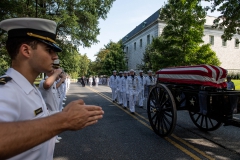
<point x="229" y="18"/>
<point x="98" y="65"/>
<point x="180" y="43"/>
<point x="147" y="61"/>
<point x="69" y="60"/>
<point x="114" y="59"/>
<point x="84" y="64"/>
<point x="77" y="20"/>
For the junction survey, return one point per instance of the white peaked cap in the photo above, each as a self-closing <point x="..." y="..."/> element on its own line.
<point x="43" y="30"/>
<point x="149" y="71"/>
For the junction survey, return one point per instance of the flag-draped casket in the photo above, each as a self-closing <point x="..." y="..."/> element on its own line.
<point x="206" y="75"/>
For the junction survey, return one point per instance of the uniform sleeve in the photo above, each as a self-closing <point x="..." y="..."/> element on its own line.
<point x="41" y="84"/>
<point x="9" y="104"/>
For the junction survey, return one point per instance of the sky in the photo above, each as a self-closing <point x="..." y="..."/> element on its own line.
<point x="122" y="18"/>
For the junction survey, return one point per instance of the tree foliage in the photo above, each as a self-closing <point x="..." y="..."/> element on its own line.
<point x="229" y="20"/>
<point x="77" y="22"/>
<point x="110" y="58"/>
<point x="180" y="43"/>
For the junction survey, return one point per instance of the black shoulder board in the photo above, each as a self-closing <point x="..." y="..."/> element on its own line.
<point x="4" y="80"/>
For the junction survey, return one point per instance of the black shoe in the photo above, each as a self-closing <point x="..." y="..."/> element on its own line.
<point x="125" y="107"/>
<point x="132" y="112"/>
<point x="140" y="106"/>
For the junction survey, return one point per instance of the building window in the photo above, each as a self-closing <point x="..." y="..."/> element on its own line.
<point x="135" y="46"/>
<point x="148" y="39"/>
<point x="236" y="43"/>
<point x="127" y="50"/>
<point x="140" y="42"/>
<point x="224" y="43"/>
<point x="211" y="40"/>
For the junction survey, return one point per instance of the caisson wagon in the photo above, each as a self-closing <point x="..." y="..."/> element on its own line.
<point x="200" y="89"/>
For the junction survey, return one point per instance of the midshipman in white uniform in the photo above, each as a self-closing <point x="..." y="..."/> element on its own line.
<point x="113" y="85"/>
<point x="132" y="86"/>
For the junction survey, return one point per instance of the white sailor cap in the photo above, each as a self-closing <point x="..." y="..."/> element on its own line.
<point x="43" y="30"/>
<point x="140" y="71"/>
<point x="114" y="71"/>
<point x="125" y="71"/>
<point x="149" y="71"/>
<point x="131" y="70"/>
<point x="120" y="72"/>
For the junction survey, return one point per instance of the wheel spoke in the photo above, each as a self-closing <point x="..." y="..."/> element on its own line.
<point x="169" y="115"/>
<point x="164" y="123"/>
<point x="169" y="123"/>
<point x="154" y="116"/>
<point x="202" y="121"/>
<point x="206" y="121"/>
<point x="211" y="122"/>
<point x="198" y="117"/>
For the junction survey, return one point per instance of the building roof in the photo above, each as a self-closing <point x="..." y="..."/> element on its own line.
<point x="142" y="25"/>
<point x="153" y="18"/>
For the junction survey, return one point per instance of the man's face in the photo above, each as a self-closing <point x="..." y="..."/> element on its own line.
<point x="114" y="73"/>
<point x="42" y="58"/>
<point x="140" y="73"/>
<point x="150" y="73"/>
<point x="131" y="73"/>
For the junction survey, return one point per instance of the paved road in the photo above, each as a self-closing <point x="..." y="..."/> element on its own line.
<point x="123" y="136"/>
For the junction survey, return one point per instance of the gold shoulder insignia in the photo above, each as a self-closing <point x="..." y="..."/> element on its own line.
<point x="4" y="80"/>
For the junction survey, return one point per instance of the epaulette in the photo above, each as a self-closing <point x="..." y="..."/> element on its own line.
<point x="4" y="79"/>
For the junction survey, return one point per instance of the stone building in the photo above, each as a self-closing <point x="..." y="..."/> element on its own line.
<point x="136" y="41"/>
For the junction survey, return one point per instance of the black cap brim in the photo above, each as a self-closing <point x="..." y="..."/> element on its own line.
<point x="55" y="47"/>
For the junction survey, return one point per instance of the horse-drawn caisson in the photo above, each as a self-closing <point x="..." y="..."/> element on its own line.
<point x="200" y="89"/>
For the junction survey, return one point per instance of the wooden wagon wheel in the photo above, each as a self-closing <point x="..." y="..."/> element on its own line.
<point x="161" y="109"/>
<point x="204" y="122"/>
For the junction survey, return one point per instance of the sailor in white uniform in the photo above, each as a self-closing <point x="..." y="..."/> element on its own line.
<point x="132" y="85"/>
<point x="27" y="130"/>
<point x="124" y="89"/>
<point x="113" y="85"/>
<point x="141" y="82"/>
<point x="119" y="86"/>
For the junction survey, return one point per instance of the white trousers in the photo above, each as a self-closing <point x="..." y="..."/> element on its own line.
<point x="90" y="84"/>
<point x="133" y="97"/>
<point x="124" y="96"/>
<point x="119" y="97"/>
<point x="114" y="95"/>
<point x="141" y="98"/>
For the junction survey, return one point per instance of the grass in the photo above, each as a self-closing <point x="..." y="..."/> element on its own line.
<point x="237" y="84"/>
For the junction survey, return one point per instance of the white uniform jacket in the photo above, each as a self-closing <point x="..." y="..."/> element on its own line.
<point x="150" y="80"/>
<point x="90" y="79"/>
<point x="141" y="82"/>
<point x="20" y="101"/>
<point x="119" y="83"/>
<point x="124" y="84"/>
<point x="113" y="81"/>
<point x="97" y="79"/>
<point x="132" y="85"/>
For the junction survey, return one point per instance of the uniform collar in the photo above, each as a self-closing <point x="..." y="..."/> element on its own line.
<point x="20" y="80"/>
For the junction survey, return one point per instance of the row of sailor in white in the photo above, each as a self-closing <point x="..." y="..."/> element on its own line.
<point x="19" y="101"/>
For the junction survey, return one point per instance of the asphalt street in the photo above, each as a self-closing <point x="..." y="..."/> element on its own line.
<point x="123" y="136"/>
